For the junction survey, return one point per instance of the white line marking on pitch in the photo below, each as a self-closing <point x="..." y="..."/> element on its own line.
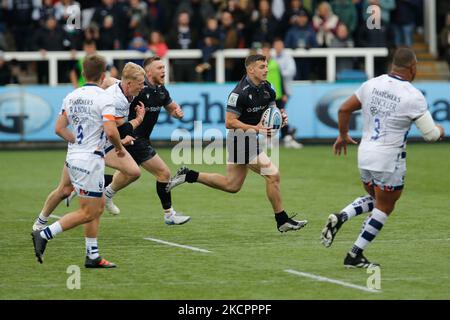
<point x="54" y="216"/>
<point x="178" y="245"/>
<point x="324" y="279"/>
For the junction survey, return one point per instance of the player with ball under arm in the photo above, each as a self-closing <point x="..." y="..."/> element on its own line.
<point x="246" y="104"/>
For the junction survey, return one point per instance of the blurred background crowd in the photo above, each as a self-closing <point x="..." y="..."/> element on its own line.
<point x="159" y="26"/>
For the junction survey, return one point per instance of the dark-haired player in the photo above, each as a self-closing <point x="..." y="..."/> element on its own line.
<point x="389" y="104"/>
<point x="245" y="106"/>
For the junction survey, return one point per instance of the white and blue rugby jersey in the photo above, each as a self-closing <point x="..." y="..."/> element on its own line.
<point x="121" y="103"/>
<point x="86" y="109"/>
<point x="389" y="106"/>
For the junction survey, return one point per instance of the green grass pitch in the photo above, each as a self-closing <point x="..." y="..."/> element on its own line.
<point x="248" y="255"/>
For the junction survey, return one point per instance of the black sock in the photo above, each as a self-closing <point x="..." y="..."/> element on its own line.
<point x="284" y="131"/>
<point x="164" y="197"/>
<point x="192" y="176"/>
<point x="281" y="217"/>
<point x="108" y="179"/>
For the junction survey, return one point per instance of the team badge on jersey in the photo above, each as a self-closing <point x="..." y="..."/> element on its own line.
<point x="232" y="99"/>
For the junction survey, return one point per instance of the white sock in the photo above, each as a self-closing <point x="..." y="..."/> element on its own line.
<point x="92" y="248"/>
<point x="168" y="212"/>
<point x="109" y="192"/>
<point x="358" y="206"/>
<point x="51" y="231"/>
<point x="42" y="219"/>
<point x="371" y="228"/>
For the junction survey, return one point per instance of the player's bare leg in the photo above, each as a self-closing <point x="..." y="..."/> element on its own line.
<point x="54" y="199"/>
<point x="129" y="172"/>
<point x="232" y="182"/>
<point x="159" y="169"/>
<point x="265" y="168"/>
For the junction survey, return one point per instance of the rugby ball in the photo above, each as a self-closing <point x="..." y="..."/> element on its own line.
<point x="272" y="118"/>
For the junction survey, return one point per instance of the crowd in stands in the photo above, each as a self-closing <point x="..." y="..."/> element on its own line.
<point x="158" y="26"/>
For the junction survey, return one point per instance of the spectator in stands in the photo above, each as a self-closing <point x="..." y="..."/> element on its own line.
<point x="138" y="18"/>
<point x="157" y="45"/>
<point x="91" y="33"/>
<point x="183" y="36"/>
<point x="289" y="18"/>
<point x="66" y="9"/>
<point x="107" y="8"/>
<point x="375" y="38"/>
<point x="301" y="35"/>
<point x="404" y="18"/>
<point x="89" y="4"/>
<point x="263" y="26"/>
<point x="346" y="12"/>
<point x="20" y="16"/>
<point x="230" y="37"/>
<point x="444" y="37"/>
<point x="211" y="42"/>
<point x="325" y="24"/>
<point x="119" y="13"/>
<point x="198" y="10"/>
<point x="288" y="71"/>
<point x="68" y="14"/>
<point x="386" y="7"/>
<point x="274" y="76"/>
<point x="241" y="13"/>
<point x="3" y="45"/>
<point x="109" y="40"/>
<point x="49" y="38"/>
<point x="287" y="64"/>
<point x="156" y="16"/>
<point x="138" y="43"/>
<point x="342" y="40"/>
<point x="7" y="75"/>
<point x="76" y="73"/>
<point x="42" y="13"/>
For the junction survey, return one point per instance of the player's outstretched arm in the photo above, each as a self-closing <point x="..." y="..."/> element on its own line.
<point x="61" y="129"/>
<point x="348" y="107"/>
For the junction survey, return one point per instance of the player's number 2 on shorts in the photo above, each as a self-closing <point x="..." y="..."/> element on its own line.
<point x="376" y="129"/>
<point x="80" y="135"/>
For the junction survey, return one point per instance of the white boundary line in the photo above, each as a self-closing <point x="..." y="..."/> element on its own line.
<point x="324" y="279"/>
<point x="54" y="216"/>
<point x="178" y="245"/>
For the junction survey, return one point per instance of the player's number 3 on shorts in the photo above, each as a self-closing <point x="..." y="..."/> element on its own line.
<point x="80" y="134"/>
<point x="376" y="129"/>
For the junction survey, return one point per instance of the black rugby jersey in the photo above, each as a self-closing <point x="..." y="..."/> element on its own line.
<point x="154" y="98"/>
<point x="249" y="101"/>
